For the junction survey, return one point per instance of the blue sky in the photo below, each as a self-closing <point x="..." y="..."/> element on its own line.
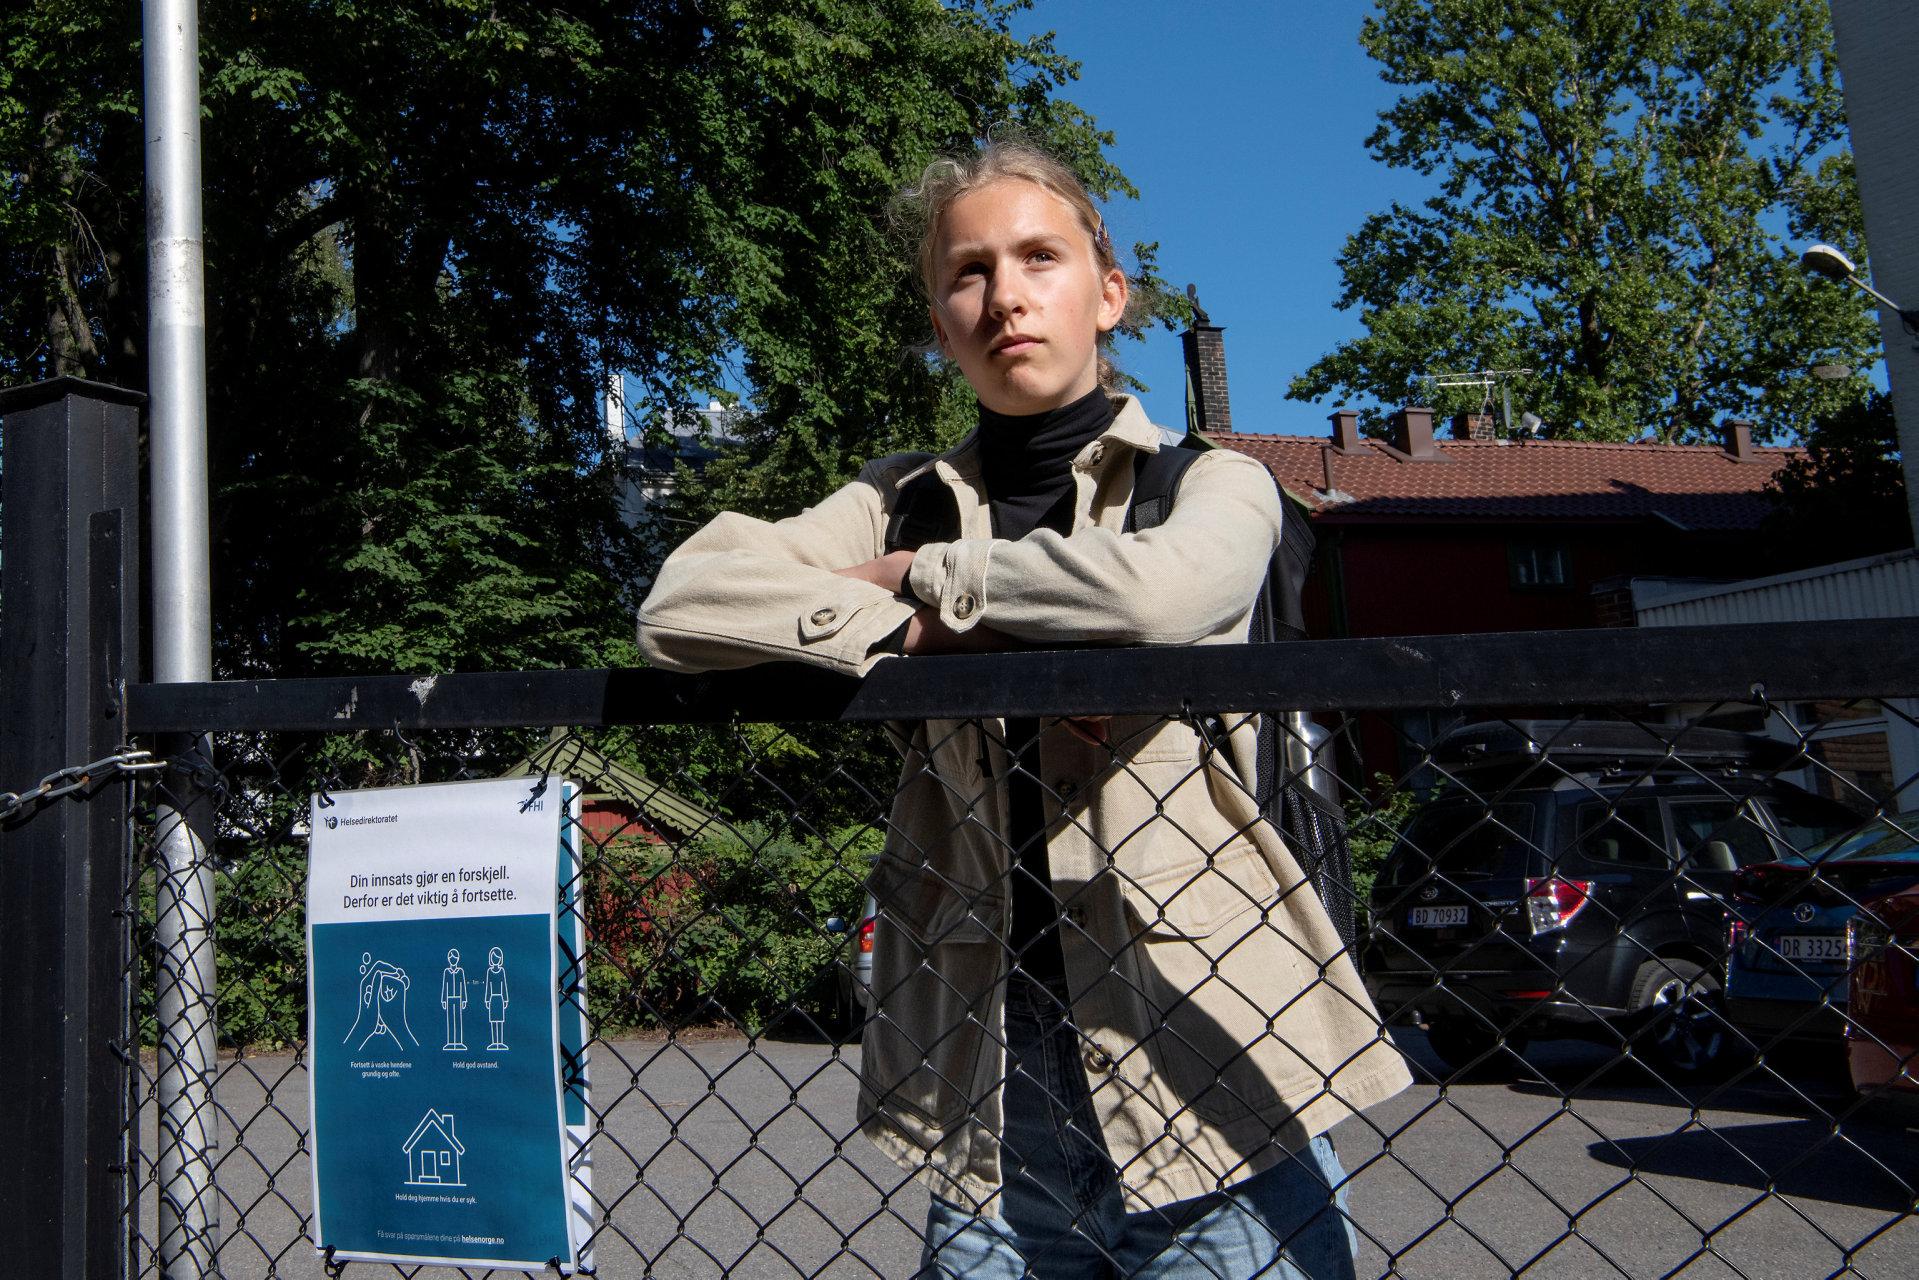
<point x="1243" y="126"/>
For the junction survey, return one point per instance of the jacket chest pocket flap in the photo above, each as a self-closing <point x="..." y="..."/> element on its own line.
<point x="930" y="906"/>
<point x="1201" y="896"/>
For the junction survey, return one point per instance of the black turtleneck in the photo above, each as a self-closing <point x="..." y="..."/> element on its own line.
<point x="1026" y="462"/>
<point x="1026" y="466"/>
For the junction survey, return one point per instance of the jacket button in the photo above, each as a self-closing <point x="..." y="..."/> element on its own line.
<point x="822" y="616"/>
<point x="1097" y="1059"/>
<point x="1068" y="789"/>
<point x="964" y="606"/>
<point x="1093" y="458"/>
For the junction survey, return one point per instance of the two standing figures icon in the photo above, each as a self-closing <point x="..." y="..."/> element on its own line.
<point x="454" y="994"/>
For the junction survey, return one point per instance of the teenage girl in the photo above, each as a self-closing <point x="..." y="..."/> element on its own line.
<point x="1113" y="1022"/>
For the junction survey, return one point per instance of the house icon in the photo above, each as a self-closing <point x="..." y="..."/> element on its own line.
<point x="433" y="1152"/>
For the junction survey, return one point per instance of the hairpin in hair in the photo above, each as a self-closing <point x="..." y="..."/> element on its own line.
<point x="1101" y="238"/>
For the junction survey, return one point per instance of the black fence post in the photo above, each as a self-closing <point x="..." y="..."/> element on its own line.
<point x="69" y="641"/>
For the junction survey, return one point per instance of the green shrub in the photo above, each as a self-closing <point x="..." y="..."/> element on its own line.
<point x="259" y="933"/>
<point x="730" y="927"/>
<point x="1372" y="827"/>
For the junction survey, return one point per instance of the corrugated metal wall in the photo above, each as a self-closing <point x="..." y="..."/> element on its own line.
<point x="1877" y="587"/>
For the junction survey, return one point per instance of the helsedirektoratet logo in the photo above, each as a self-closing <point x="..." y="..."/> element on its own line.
<point x="363" y="820"/>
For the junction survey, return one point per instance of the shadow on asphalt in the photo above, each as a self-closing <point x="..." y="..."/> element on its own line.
<point x="1805" y="1083"/>
<point x="1790" y="1080"/>
<point x="1869" y="1163"/>
<point x="1865" y="1165"/>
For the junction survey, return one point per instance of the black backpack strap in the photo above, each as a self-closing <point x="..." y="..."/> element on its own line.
<point x="923" y="511"/>
<point x="1286" y="578"/>
<point x="1156" y="479"/>
<point x="1315" y="828"/>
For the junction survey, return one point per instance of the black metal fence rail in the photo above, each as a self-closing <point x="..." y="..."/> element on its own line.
<point x="1625" y="667"/>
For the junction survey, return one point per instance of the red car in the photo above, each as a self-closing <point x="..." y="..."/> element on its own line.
<point x="1882" y="1026"/>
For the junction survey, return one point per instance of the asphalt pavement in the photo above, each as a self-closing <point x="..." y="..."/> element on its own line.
<point x="724" y="1156"/>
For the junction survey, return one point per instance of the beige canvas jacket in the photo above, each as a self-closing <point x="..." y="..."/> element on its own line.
<point x="1221" y="1024"/>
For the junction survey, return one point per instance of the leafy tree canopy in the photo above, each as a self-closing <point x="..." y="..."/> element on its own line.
<point x="1845" y="496"/>
<point x="1623" y="186"/>
<point x="432" y="230"/>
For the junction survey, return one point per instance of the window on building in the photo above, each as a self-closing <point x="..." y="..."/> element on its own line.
<point x="1539" y="566"/>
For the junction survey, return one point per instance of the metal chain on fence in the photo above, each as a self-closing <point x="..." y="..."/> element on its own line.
<point x="77" y="779"/>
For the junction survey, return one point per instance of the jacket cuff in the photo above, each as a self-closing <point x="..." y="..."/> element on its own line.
<point x="951" y="577"/>
<point x="849" y="630"/>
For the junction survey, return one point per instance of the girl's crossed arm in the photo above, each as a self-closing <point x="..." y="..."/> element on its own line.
<point x="742" y="591"/>
<point x="1186" y="579"/>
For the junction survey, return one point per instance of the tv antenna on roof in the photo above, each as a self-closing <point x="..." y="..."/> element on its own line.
<point x="1487" y="378"/>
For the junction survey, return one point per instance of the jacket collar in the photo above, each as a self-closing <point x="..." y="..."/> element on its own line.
<point x="1130" y="427"/>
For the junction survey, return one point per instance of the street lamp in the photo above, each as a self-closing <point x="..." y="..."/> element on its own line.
<point x="1824" y="260"/>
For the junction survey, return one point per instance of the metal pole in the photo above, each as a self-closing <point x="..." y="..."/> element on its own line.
<point x="189" y="1126"/>
<point x="177" y="345"/>
<point x="182" y="632"/>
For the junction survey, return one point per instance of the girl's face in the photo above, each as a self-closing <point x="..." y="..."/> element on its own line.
<point x="1019" y="299"/>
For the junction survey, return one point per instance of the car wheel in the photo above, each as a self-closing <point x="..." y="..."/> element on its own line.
<point x="1470" y="1047"/>
<point x="1683" y="1032"/>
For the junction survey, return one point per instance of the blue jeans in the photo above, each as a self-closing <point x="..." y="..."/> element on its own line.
<point x="1061" y="1211"/>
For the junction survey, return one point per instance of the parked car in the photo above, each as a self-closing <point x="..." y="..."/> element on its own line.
<point x="1787" y="962"/>
<point x="1882" y="997"/>
<point x="855" y="975"/>
<point x="1568" y="880"/>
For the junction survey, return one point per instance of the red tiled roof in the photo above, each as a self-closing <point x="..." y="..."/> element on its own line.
<point x="1694" y="486"/>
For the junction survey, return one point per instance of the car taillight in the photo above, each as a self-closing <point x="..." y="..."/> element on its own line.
<point x="865" y="936"/>
<point x="1865" y="940"/>
<point x="1552" y="903"/>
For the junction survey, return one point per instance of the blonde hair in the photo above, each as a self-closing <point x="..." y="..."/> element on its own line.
<point x="921" y="206"/>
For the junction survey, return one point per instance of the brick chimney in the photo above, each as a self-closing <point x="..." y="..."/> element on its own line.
<point x="1474" y="426"/>
<point x="1737" y="436"/>
<point x="1413" y="433"/>
<point x="1205" y="347"/>
<point x="1612" y="602"/>
<point x="1346" y="431"/>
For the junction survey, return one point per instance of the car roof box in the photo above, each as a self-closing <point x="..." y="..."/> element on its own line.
<point x="1589" y="744"/>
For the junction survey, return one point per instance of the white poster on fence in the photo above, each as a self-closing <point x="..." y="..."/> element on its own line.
<point x="445" y="1048"/>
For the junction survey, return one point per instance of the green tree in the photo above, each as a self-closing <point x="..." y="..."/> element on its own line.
<point x="1620" y="184"/>
<point x="1845" y="496"/>
<point x="826" y="299"/>
<point x="433" y="230"/>
<point x="72" y="279"/>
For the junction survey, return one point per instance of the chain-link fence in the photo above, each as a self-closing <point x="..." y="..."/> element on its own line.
<point x="1650" y="964"/>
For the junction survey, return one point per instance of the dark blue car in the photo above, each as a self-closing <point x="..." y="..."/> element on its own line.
<point x="1787" y="963"/>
